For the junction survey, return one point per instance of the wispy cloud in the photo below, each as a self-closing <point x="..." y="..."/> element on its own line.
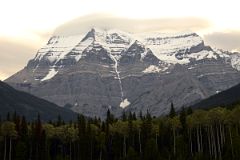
<point x="14" y="56"/>
<point x="224" y="40"/>
<point x="82" y="24"/>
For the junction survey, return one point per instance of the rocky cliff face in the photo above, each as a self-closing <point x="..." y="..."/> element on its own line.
<point x="110" y="69"/>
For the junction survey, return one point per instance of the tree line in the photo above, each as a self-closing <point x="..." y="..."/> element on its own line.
<point x="199" y="134"/>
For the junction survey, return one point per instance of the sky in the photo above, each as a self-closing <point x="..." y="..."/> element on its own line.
<point x="26" y="25"/>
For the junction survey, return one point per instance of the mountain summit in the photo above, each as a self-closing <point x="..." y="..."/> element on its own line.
<point x="112" y="69"/>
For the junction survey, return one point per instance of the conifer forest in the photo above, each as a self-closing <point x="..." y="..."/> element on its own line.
<point x="184" y="135"/>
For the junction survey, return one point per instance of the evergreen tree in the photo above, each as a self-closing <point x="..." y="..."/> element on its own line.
<point x="81" y="125"/>
<point x="150" y="151"/>
<point x="17" y="122"/>
<point x="37" y="138"/>
<point x="182" y="118"/>
<point x="82" y="138"/>
<point x="21" y="151"/>
<point x="134" y="117"/>
<point x="59" y="121"/>
<point x="132" y="154"/>
<point x="211" y="134"/>
<point x="24" y="128"/>
<point x="140" y="115"/>
<point x="130" y="116"/>
<point x="124" y="116"/>
<point x="8" y="117"/>
<point x="9" y="133"/>
<point x="130" y="132"/>
<point x="172" y="112"/>
<point x="189" y="111"/>
<point x="110" y="117"/>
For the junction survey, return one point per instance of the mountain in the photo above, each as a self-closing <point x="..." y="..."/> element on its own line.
<point x="12" y="100"/>
<point x="224" y="98"/>
<point x="112" y="69"/>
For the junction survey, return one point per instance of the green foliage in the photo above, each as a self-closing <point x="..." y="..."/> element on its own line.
<point x="182" y="118"/>
<point x="189" y="111"/>
<point x="8" y="129"/>
<point x="213" y="134"/>
<point x="151" y="151"/>
<point x="132" y="154"/>
<point x="21" y="151"/>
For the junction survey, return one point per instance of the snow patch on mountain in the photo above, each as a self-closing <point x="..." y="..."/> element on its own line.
<point x="203" y="55"/>
<point x="166" y="46"/>
<point x="118" y="75"/>
<point x="124" y="103"/>
<point x="235" y="61"/>
<point x="233" y="57"/>
<point x="154" y="69"/>
<point x="114" y="41"/>
<point x="80" y="47"/>
<point x="52" y="72"/>
<point x="58" y="46"/>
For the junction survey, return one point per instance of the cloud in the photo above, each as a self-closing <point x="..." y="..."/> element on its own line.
<point x="43" y="34"/>
<point x="106" y="21"/>
<point x="224" y="40"/>
<point x="3" y="76"/>
<point x="14" y="56"/>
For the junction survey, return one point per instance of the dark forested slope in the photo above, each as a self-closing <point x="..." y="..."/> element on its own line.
<point x="224" y="98"/>
<point x="12" y="100"/>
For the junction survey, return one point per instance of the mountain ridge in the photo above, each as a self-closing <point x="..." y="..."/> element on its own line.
<point x="105" y="69"/>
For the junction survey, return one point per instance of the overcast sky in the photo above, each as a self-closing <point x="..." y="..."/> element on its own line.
<point x="26" y="25"/>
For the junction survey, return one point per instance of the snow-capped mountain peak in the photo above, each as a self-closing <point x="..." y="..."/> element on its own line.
<point x="135" y="72"/>
<point x="178" y="48"/>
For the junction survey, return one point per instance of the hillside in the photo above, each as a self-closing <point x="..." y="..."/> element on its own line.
<point x="224" y="98"/>
<point x="12" y="100"/>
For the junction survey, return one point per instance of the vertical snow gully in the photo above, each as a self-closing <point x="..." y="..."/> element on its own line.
<point x="118" y="75"/>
